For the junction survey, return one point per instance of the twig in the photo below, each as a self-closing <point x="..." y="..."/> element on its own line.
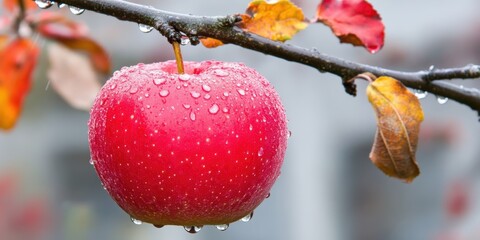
<point x="174" y="25"/>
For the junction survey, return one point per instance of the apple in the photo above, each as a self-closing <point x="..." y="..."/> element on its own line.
<point x="193" y="149"/>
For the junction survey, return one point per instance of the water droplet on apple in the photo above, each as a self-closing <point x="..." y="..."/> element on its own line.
<point x="193" y="229"/>
<point x="164" y="93"/>
<point x="213" y="109"/>
<point x="133" y="90"/>
<point x="184" y="77"/>
<point x="113" y="86"/>
<point x="268" y="195"/>
<point x="241" y="91"/>
<point x="135" y="221"/>
<point x="186" y="106"/>
<point x="222" y="227"/>
<point x="206" y="88"/>
<point x="442" y="100"/>
<point x="76" y="10"/>
<point x="207" y="96"/>
<point x="159" y="81"/>
<point x="220" y="73"/>
<point x="61" y="5"/>
<point x="195" y="94"/>
<point x="91" y="161"/>
<point x="260" y="152"/>
<point x="43" y="4"/>
<point x="250" y="127"/>
<point x="158" y="226"/>
<point x="225" y="94"/>
<point x="192" y="116"/>
<point x="225" y="109"/>
<point x="145" y="28"/>
<point x="247" y="218"/>
<point x="420" y="93"/>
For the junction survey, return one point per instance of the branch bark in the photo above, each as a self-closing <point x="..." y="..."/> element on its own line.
<point x="174" y="25"/>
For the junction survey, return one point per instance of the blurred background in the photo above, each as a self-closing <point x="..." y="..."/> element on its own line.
<point x="328" y="188"/>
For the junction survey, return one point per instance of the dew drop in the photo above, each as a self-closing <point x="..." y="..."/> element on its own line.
<point x="260" y="152"/>
<point x="113" y="86"/>
<point x="43" y="4"/>
<point x="192" y="116"/>
<point x="159" y="81"/>
<point x="241" y="92"/>
<point x="145" y="28"/>
<point x="207" y="96"/>
<point x="195" y="94"/>
<point x="268" y="195"/>
<point x="184" y="41"/>
<point x="225" y="110"/>
<point x="136" y="221"/>
<point x="193" y="229"/>
<point x="251" y="127"/>
<point x="91" y="161"/>
<point x="220" y="73"/>
<point x="442" y="100"/>
<point x="158" y="226"/>
<point x="222" y="227"/>
<point x="76" y="10"/>
<point x="164" y="93"/>
<point x="247" y="218"/>
<point x="184" y="77"/>
<point x="206" y="88"/>
<point x="225" y="94"/>
<point x="133" y="90"/>
<point x="420" y="93"/>
<point x="289" y="134"/>
<point x="213" y="109"/>
<point x="186" y="106"/>
<point x="61" y="5"/>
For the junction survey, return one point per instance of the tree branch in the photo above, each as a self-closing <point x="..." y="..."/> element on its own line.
<point x="174" y="25"/>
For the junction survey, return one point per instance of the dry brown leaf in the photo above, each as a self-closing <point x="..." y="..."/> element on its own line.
<point x="399" y="115"/>
<point x="72" y="76"/>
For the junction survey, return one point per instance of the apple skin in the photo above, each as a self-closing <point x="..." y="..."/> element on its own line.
<point x="201" y="148"/>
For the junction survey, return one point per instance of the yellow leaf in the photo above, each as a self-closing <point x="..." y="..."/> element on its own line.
<point x="278" y="20"/>
<point x="399" y="115"/>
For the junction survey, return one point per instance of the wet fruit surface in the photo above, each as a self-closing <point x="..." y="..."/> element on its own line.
<point x="200" y="148"/>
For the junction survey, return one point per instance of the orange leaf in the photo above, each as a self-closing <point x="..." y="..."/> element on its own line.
<point x="353" y="21"/>
<point x="211" y="42"/>
<point x="17" y="61"/>
<point x="399" y="115"/>
<point x="277" y="20"/>
<point x="3" y="41"/>
<point x="10" y="5"/>
<point x="74" y="36"/>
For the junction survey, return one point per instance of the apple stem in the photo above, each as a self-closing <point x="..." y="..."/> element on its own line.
<point x="178" y="57"/>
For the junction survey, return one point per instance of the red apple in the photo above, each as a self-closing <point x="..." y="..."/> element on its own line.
<point x="200" y="148"/>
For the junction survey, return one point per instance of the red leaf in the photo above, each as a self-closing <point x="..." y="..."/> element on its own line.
<point x="10" y="5"/>
<point x="74" y="36"/>
<point x="353" y="21"/>
<point x="17" y="61"/>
